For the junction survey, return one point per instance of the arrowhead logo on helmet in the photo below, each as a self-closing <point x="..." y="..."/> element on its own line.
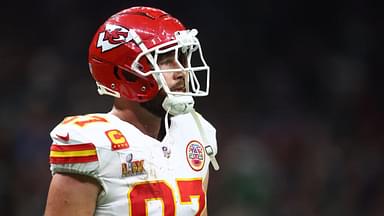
<point x="113" y="36"/>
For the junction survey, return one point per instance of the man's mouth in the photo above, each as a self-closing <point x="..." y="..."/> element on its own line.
<point x="179" y="89"/>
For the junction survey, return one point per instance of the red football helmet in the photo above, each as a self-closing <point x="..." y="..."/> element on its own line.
<point x="124" y="52"/>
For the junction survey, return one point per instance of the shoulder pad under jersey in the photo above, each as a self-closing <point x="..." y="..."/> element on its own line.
<point x="71" y="150"/>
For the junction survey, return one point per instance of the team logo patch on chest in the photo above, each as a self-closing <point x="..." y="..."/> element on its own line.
<point x="195" y="155"/>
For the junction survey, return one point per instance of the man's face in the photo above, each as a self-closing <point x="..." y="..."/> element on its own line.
<point x="175" y="81"/>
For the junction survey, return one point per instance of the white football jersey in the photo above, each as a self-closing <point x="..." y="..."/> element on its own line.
<point x="139" y="175"/>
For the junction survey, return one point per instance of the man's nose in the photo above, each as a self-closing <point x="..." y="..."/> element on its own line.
<point x="179" y="75"/>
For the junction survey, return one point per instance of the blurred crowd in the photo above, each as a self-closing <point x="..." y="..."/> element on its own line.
<point x="296" y="98"/>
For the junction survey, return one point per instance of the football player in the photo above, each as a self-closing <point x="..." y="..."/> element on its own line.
<point x="121" y="163"/>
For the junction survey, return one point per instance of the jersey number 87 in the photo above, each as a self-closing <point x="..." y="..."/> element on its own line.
<point x="141" y="193"/>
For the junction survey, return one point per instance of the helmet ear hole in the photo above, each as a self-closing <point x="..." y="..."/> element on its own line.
<point x="115" y="72"/>
<point x="130" y="77"/>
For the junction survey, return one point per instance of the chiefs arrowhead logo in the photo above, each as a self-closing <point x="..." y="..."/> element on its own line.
<point x="113" y="36"/>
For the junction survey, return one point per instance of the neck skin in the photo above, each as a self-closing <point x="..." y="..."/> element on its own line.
<point x="135" y="114"/>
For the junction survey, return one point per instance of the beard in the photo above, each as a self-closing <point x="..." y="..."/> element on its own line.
<point x="154" y="106"/>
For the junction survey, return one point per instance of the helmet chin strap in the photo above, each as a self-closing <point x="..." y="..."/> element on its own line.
<point x="177" y="105"/>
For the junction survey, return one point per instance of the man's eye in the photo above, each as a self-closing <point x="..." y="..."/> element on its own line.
<point x="166" y="58"/>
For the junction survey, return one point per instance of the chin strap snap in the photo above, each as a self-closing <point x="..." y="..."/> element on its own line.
<point x="176" y="105"/>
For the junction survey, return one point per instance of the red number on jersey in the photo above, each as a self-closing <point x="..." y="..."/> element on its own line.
<point x="191" y="189"/>
<point x="140" y="194"/>
<point x="84" y="120"/>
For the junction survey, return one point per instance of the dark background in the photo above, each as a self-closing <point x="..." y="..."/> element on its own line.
<point x="296" y="98"/>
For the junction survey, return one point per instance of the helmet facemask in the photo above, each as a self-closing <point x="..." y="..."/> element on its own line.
<point x="189" y="58"/>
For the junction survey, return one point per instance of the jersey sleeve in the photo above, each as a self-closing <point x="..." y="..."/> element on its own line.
<point x="72" y="152"/>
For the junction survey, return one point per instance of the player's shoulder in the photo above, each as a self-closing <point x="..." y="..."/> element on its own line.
<point x="73" y="149"/>
<point x="80" y="121"/>
<point x="103" y="130"/>
<point x="71" y="142"/>
<point x="82" y="129"/>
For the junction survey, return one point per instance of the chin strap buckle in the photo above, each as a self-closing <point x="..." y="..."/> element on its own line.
<point x="176" y="105"/>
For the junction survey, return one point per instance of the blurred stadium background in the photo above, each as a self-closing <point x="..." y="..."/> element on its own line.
<point x="296" y="96"/>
